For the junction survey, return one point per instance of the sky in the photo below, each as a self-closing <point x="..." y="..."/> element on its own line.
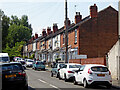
<point x="43" y="13"/>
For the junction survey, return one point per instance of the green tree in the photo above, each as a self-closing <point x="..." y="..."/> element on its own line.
<point x="16" y="50"/>
<point x="5" y="26"/>
<point x="18" y="34"/>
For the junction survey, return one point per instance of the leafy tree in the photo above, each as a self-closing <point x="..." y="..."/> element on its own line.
<point x="16" y="50"/>
<point x="17" y="34"/>
<point x="5" y="26"/>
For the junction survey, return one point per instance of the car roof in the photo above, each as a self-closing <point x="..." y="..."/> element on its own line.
<point x="10" y="63"/>
<point x="90" y="65"/>
<point x="72" y="64"/>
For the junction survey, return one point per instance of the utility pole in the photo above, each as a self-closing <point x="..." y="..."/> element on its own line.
<point x="66" y="32"/>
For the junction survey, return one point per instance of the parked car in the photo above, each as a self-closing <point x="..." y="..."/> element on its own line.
<point x="67" y="71"/>
<point x="23" y="64"/>
<point x="13" y="76"/>
<point x="4" y="57"/>
<point x="29" y="63"/>
<point x="56" y="68"/>
<point x="38" y="65"/>
<point x="93" y="74"/>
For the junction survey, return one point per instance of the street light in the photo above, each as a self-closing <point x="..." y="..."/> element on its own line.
<point x="1" y="14"/>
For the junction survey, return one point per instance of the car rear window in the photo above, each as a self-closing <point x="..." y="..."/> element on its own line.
<point x="61" y="65"/>
<point x="73" y="66"/>
<point x="99" y="69"/>
<point x="12" y="67"/>
<point x="30" y="61"/>
<point x="39" y="63"/>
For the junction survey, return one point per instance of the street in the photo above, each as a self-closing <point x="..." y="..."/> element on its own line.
<point x="39" y="80"/>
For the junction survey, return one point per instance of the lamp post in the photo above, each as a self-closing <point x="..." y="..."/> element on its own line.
<point x="1" y="14"/>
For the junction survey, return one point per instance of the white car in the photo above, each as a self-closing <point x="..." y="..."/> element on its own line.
<point x="29" y="63"/>
<point x="67" y="71"/>
<point x="93" y="74"/>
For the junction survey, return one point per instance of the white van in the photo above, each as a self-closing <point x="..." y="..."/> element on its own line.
<point x="4" y="57"/>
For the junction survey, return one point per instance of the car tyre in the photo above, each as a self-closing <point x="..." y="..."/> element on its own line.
<point x="74" y="81"/>
<point x="25" y="87"/>
<point x="65" y="78"/>
<point x="51" y="74"/>
<point x="85" y="84"/>
<point x="108" y="86"/>
<point x="59" y="76"/>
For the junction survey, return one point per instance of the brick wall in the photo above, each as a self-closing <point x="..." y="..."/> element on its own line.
<point x="98" y="35"/>
<point x="101" y="60"/>
<point x="38" y="45"/>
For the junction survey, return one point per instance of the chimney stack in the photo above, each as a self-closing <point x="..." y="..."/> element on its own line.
<point x="93" y="11"/>
<point x="36" y="35"/>
<point x="78" y="17"/>
<point x="55" y="27"/>
<point x="44" y="32"/>
<point x="48" y="30"/>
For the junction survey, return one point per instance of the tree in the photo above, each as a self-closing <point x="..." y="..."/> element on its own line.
<point x="16" y="50"/>
<point x="18" y="34"/>
<point x="5" y="26"/>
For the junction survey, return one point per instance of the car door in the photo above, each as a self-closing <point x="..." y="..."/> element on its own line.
<point x="63" y="71"/>
<point x="80" y="74"/>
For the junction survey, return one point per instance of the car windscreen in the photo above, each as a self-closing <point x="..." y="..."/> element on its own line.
<point x="73" y="66"/>
<point x="12" y="67"/>
<point x="5" y="59"/>
<point x="99" y="69"/>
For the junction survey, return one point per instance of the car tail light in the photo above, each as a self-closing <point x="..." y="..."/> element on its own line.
<point x="109" y="73"/>
<point x="22" y="73"/>
<point x="89" y="71"/>
<point x="70" y="72"/>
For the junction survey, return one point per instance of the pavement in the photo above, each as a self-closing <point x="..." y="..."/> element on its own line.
<point x="115" y="83"/>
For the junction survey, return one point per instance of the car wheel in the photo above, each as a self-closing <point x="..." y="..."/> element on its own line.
<point x="74" y="81"/>
<point x="85" y="85"/>
<point x="65" y="78"/>
<point x="51" y="74"/>
<point x="25" y="87"/>
<point x="108" y="86"/>
<point x="35" y="68"/>
<point x="59" y="76"/>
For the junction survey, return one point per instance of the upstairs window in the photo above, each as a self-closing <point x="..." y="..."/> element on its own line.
<point x="75" y="36"/>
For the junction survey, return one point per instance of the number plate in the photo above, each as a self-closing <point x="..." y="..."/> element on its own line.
<point x="101" y="75"/>
<point x="9" y="76"/>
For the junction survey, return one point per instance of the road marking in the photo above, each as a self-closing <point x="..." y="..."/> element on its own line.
<point x="54" y="86"/>
<point x="49" y="84"/>
<point x="42" y="81"/>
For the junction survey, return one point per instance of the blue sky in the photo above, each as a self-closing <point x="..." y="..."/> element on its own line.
<point x="43" y="13"/>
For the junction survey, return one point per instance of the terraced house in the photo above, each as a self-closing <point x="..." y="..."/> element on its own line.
<point x="92" y="37"/>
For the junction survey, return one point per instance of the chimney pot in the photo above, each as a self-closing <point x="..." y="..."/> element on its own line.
<point x="48" y="30"/>
<point x="55" y="27"/>
<point x="78" y="17"/>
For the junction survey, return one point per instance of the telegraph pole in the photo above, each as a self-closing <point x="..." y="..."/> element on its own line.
<point x="66" y="32"/>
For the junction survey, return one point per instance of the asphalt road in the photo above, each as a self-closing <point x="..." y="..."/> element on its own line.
<point x="41" y="80"/>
